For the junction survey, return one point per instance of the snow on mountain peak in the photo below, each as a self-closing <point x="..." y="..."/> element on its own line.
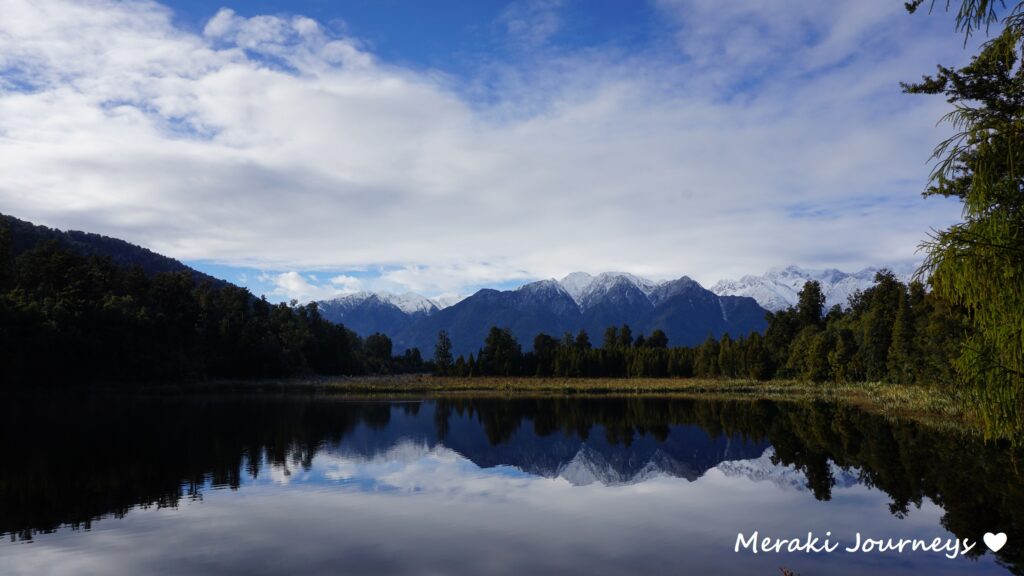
<point x="787" y="477"/>
<point x="550" y="285"/>
<point x="779" y="288"/>
<point x="583" y="287"/>
<point x="408" y="302"/>
<point x="576" y="284"/>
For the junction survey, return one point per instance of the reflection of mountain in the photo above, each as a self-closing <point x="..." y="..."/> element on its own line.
<point x="590" y="466"/>
<point x="681" y="451"/>
<point x="765" y="469"/>
<point x="71" y="461"/>
<point x="686" y="452"/>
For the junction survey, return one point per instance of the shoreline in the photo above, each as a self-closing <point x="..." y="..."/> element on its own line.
<point x="932" y="406"/>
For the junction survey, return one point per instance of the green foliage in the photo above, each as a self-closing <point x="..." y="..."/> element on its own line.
<point x="582" y="341"/>
<point x="69" y="320"/>
<point x="901" y="352"/>
<point x="657" y="339"/>
<point x="891" y="332"/>
<point x="501" y="354"/>
<point x="443" y="354"/>
<point x="811" y="305"/>
<point x="378" y="352"/>
<point x="625" y="336"/>
<point x="611" y="338"/>
<point x="99" y="456"/>
<point x="978" y="264"/>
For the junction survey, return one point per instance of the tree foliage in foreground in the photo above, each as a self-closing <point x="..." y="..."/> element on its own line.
<point x="979" y="263"/>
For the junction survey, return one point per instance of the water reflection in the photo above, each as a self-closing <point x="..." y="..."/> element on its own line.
<point x="595" y="485"/>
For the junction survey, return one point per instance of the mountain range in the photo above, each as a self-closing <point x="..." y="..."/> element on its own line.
<point x="779" y="287"/>
<point x="600" y="457"/>
<point x="685" y="310"/>
<point x="682" y="308"/>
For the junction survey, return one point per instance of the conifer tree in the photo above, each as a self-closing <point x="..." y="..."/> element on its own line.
<point x="611" y="338"/>
<point x="979" y="263"/>
<point x="582" y="341"/>
<point x="443" y="354"/>
<point x="810" y="304"/>
<point x="625" y="336"/>
<point x="902" y="361"/>
<point x="657" y="339"/>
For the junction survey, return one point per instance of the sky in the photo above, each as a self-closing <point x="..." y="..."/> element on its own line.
<point x="312" y="147"/>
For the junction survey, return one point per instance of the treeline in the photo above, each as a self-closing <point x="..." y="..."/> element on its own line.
<point x="68" y="319"/>
<point x="890" y="332"/>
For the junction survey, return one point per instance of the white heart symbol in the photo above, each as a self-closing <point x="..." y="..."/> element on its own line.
<point x="995" y="542"/>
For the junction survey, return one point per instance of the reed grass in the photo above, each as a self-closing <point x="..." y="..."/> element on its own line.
<point x="934" y="406"/>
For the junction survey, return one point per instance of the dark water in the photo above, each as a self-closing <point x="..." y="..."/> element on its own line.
<point x="281" y="485"/>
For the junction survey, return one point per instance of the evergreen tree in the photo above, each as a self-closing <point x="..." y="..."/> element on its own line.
<point x="876" y="309"/>
<point x="501" y="354"/>
<point x="378" y="352"/>
<point x="778" y="336"/>
<point x="443" y="354"/>
<point x="728" y="365"/>
<point x="978" y="264"/>
<point x="902" y="359"/>
<point x="705" y="362"/>
<point x="611" y="338"/>
<point x="658" y="339"/>
<point x="582" y="341"/>
<point x="6" y="258"/>
<point x="841" y="358"/>
<point x="625" y="336"/>
<point x="810" y="304"/>
<point x="756" y="359"/>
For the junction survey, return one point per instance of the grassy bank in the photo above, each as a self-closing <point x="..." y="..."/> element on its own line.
<point x="930" y="405"/>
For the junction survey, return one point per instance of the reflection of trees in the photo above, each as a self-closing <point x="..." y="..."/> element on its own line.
<point x="70" y="462"/>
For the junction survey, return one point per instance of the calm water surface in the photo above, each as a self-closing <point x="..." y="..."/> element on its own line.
<point x="314" y="485"/>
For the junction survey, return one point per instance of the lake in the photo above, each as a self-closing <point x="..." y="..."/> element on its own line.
<point x="280" y="484"/>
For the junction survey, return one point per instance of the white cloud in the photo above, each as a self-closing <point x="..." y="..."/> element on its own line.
<point x="293" y="285"/>
<point x="346" y="284"/>
<point x="274" y="143"/>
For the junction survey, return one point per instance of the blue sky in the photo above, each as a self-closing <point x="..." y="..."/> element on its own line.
<point x="456" y="36"/>
<point x="310" y="148"/>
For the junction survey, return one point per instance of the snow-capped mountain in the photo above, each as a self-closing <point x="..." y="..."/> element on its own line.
<point x="780" y="287"/>
<point x="682" y="308"/>
<point x="685" y="310"/>
<point x="409" y="302"/>
<point x="586" y="289"/>
<point x="787" y="477"/>
<point x="590" y="466"/>
<point x="447" y="300"/>
<point x="369" y="312"/>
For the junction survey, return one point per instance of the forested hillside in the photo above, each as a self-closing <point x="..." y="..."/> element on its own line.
<point x="25" y="236"/>
<point x="70" y="316"/>
<point x="71" y="313"/>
